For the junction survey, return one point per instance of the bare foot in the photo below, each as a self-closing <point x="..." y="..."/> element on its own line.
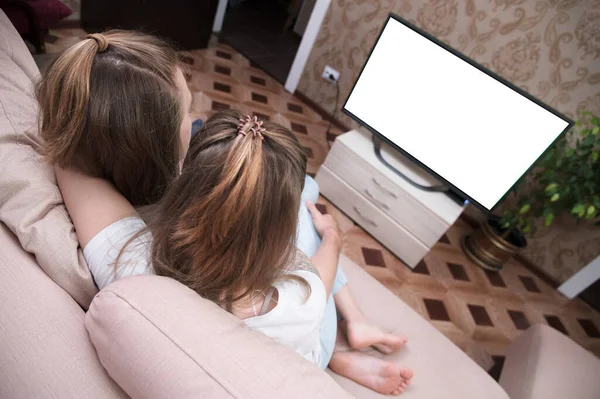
<point x="361" y="335"/>
<point x="379" y="375"/>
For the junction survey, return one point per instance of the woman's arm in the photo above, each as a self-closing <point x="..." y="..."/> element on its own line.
<point x="93" y="203"/>
<point x="327" y="256"/>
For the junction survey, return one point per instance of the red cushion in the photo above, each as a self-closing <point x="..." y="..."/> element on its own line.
<point x="49" y="12"/>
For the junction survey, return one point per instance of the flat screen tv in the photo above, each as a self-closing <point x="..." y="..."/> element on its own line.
<point x="473" y="130"/>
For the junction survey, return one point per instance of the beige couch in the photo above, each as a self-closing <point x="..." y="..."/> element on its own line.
<point x="148" y="336"/>
<point x="543" y="363"/>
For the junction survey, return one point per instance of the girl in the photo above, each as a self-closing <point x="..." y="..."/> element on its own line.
<point x="90" y="118"/>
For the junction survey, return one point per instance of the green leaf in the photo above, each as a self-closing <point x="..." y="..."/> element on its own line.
<point x="596" y="130"/>
<point x="595" y="121"/>
<point x="551" y="188"/>
<point x="594" y="156"/>
<point x="524" y="209"/>
<point x="588" y="141"/>
<point x="569" y="153"/>
<point x="591" y="211"/>
<point x="527" y="228"/>
<point x="555" y="197"/>
<point x="578" y="210"/>
<point x="585" y="132"/>
<point x="548" y="219"/>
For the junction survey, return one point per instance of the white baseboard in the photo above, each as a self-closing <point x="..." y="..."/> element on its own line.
<point x="581" y="280"/>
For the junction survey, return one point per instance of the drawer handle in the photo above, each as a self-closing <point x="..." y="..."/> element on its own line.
<point x="385" y="190"/>
<point x="366" y="219"/>
<point x="376" y="201"/>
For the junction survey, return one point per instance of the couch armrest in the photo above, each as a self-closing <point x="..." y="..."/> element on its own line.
<point x="545" y="364"/>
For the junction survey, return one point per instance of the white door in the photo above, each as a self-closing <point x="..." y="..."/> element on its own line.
<point x="308" y="39"/>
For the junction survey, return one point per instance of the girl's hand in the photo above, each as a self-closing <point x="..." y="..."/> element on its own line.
<point x="324" y="224"/>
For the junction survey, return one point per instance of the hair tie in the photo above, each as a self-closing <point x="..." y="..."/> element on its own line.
<point x="100" y="40"/>
<point x="251" y="124"/>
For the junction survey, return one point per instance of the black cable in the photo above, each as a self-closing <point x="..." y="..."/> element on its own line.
<point x="337" y="100"/>
<point x="377" y="144"/>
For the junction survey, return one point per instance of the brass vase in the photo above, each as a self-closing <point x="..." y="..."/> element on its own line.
<point x="490" y="247"/>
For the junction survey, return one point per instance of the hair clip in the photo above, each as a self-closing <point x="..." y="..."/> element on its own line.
<point x="253" y="125"/>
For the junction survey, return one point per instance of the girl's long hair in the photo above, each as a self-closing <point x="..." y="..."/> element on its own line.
<point x="226" y="228"/>
<point x="109" y="106"/>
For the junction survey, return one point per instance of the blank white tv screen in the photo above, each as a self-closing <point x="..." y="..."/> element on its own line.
<point x="456" y="119"/>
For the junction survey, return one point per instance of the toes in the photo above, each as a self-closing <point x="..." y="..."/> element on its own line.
<point x="386" y="350"/>
<point x="399" y="338"/>
<point x="407" y="374"/>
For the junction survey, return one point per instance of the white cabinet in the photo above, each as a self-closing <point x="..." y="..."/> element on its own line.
<point x="405" y="219"/>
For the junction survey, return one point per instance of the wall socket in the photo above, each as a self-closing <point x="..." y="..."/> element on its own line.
<point x="330" y="74"/>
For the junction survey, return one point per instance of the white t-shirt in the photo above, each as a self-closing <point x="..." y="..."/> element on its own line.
<point x="295" y="320"/>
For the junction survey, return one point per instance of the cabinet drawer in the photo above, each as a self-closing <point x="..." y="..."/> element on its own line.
<point x="392" y="200"/>
<point x="360" y="209"/>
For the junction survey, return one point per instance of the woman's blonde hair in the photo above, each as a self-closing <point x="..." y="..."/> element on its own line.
<point x="226" y="228"/>
<point x="109" y="107"/>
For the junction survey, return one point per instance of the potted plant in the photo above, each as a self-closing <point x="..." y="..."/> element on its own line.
<point x="565" y="180"/>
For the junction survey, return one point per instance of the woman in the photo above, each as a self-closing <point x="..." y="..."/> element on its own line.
<point x="117" y="106"/>
<point x="115" y="112"/>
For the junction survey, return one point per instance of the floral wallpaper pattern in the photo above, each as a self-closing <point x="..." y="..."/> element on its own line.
<point x="551" y="48"/>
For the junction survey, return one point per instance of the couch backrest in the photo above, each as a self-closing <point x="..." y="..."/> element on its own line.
<point x="44" y="346"/>
<point x="159" y="339"/>
<point x="30" y="201"/>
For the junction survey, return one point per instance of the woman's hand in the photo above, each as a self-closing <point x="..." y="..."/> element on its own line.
<point x="324" y="224"/>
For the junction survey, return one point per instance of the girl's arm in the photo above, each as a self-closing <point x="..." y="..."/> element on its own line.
<point x="93" y="203"/>
<point x="327" y="256"/>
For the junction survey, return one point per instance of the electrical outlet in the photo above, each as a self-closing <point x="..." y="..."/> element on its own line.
<point x="330" y="74"/>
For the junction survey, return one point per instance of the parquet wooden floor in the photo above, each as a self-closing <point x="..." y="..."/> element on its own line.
<point x="480" y="311"/>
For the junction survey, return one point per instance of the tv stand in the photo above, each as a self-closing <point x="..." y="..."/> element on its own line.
<point x="379" y="197"/>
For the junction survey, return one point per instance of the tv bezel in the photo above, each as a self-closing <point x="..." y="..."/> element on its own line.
<point x="482" y="69"/>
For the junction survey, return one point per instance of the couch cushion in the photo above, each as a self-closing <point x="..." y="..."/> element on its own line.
<point x="48" y="13"/>
<point x="546" y="364"/>
<point x="45" y="351"/>
<point x="30" y="202"/>
<point x="159" y="339"/>
<point x="441" y="369"/>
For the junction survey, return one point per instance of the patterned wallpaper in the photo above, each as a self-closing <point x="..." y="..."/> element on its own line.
<point x="550" y="48"/>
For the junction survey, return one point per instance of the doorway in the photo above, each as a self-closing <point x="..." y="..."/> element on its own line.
<point x="267" y="32"/>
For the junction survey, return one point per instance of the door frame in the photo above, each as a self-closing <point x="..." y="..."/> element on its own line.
<point x="306" y="44"/>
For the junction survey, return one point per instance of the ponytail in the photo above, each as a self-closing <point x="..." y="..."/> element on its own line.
<point x="65" y="92"/>
<point x="240" y="182"/>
